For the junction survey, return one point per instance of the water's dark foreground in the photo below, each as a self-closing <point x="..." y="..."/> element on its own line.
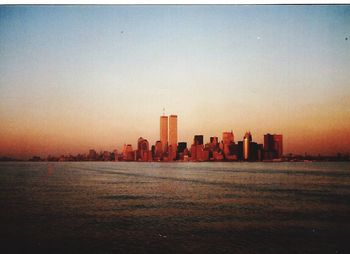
<point x="175" y="208"/>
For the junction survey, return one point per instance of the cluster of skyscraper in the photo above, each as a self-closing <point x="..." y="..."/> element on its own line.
<point x="169" y="149"/>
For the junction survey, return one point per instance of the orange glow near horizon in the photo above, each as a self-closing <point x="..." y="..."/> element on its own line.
<point x="27" y="141"/>
<point x="69" y="84"/>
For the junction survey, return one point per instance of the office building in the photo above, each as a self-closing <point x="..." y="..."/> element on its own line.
<point x="278" y="145"/>
<point x="173" y="130"/>
<point x="92" y="156"/>
<point x="158" y="151"/>
<point x="227" y="138"/>
<point x="128" y="153"/>
<point x="246" y="145"/>
<point x="115" y="151"/>
<point x="214" y="141"/>
<point x="171" y="152"/>
<point x="231" y="152"/>
<point x="253" y="151"/>
<point x="240" y="150"/>
<point x="198" y="153"/>
<point x="143" y="152"/>
<point x="164" y="132"/>
<point x="181" y="147"/>
<point x="181" y="150"/>
<point x="217" y="156"/>
<point x="198" y="140"/>
<point x="106" y="156"/>
<point x="273" y="146"/>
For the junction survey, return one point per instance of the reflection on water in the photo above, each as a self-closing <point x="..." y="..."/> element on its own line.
<point x="175" y="207"/>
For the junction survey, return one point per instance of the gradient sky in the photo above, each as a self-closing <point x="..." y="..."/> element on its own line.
<point x="79" y="77"/>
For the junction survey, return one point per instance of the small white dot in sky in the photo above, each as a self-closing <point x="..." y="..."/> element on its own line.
<point x="258" y="38"/>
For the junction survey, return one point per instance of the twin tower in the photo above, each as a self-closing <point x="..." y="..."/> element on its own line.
<point x="168" y="132"/>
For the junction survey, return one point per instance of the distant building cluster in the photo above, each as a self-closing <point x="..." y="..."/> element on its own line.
<point x="167" y="149"/>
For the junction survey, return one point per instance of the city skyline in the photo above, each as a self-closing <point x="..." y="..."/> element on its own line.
<point x="168" y="149"/>
<point x="216" y="149"/>
<point x="75" y="78"/>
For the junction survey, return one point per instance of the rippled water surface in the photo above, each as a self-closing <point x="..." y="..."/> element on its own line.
<point x="117" y="207"/>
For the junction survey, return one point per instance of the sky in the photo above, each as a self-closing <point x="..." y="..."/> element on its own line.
<point x="74" y="78"/>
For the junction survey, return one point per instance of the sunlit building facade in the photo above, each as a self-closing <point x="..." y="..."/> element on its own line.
<point x="228" y="146"/>
<point x="246" y="145"/>
<point x="227" y="137"/>
<point x="164" y="132"/>
<point x="172" y="136"/>
<point x="171" y="153"/>
<point x="215" y="150"/>
<point x="143" y="152"/>
<point x="158" y="151"/>
<point x="128" y="153"/>
<point x="173" y="130"/>
<point x="198" y="151"/>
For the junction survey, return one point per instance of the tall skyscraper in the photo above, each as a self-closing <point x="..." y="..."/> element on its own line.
<point x="246" y="145"/>
<point x="164" y="132"/>
<point x="173" y="130"/>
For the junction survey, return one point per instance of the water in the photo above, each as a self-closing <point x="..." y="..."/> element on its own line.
<point x="117" y="207"/>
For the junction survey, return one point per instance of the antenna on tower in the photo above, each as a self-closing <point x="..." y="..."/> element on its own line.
<point x="163" y="111"/>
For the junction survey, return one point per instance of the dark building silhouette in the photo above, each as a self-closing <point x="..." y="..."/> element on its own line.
<point x="260" y="152"/>
<point x="253" y="151"/>
<point x="240" y="150"/>
<point x="231" y="152"/>
<point x="233" y="148"/>
<point x="198" y="140"/>
<point x="153" y="149"/>
<point x="172" y="151"/>
<point x="181" y="150"/>
<point x="248" y="150"/>
<point x="158" y="151"/>
<point x="273" y="146"/>
<point x="181" y="147"/>
<point x="128" y="153"/>
<point x="92" y="156"/>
